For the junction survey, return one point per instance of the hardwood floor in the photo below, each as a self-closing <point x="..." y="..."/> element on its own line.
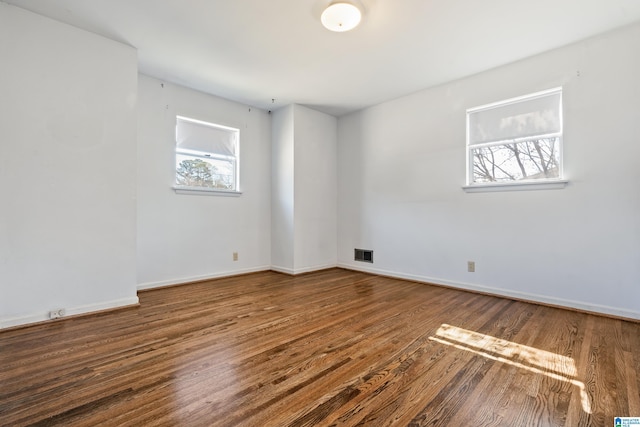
<point x="332" y="348"/>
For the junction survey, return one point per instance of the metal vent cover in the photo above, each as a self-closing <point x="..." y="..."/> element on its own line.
<point x="363" y="255"/>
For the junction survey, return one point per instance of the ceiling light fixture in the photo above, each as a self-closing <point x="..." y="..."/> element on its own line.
<point x="341" y="16"/>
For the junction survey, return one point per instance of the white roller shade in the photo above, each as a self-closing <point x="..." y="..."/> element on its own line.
<point x="197" y="136"/>
<point x="537" y="115"/>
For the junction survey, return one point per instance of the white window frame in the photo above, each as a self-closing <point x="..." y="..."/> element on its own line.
<point x="522" y="184"/>
<point x="234" y="159"/>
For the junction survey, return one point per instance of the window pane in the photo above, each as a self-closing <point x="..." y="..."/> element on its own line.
<point x="194" y="171"/>
<point x="527" y="160"/>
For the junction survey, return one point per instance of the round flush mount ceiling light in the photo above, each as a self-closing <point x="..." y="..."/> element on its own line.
<point x="341" y="16"/>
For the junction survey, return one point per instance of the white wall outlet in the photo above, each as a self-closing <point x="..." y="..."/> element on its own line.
<point x="471" y="266"/>
<point x="235" y="256"/>
<point x="56" y="314"/>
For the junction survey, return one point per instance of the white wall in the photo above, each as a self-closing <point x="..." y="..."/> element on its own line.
<point x="67" y="161"/>
<point x="189" y="237"/>
<point x="401" y="166"/>
<point x="282" y="179"/>
<point x="315" y="195"/>
<point x="304" y="206"/>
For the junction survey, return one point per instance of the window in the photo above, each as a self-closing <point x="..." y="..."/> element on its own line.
<point x="518" y="141"/>
<point x="206" y="156"/>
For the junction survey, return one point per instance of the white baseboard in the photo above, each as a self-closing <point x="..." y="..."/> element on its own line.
<point x="295" y="271"/>
<point x="110" y="305"/>
<point x="507" y="293"/>
<point x="69" y="311"/>
<point x="163" y="283"/>
<point x="284" y="270"/>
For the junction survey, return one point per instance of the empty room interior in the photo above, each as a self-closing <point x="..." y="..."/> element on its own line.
<point x="320" y="213"/>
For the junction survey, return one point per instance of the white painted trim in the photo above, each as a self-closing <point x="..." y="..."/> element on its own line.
<point x="295" y="271"/>
<point x="524" y="296"/>
<point x="181" y="281"/>
<point x="314" y="268"/>
<point x="516" y="99"/>
<point x="284" y="270"/>
<point x="199" y="191"/>
<point x="70" y="311"/>
<point x="516" y="186"/>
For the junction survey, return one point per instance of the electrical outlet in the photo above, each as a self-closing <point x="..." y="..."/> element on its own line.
<point x="56" y="314"/>
<point x="471" y="266"/>
<point x="235" y="256"/>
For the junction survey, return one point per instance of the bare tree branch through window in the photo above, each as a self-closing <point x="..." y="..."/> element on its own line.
<point x="533" y="159"/>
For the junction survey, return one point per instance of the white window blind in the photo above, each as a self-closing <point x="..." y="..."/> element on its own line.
<point x="205" y="138"/>
<point x="538" y="115"/>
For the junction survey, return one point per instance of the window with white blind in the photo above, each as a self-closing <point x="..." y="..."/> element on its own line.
<point x="517" y="141"/>
<point x="206" y="156"/>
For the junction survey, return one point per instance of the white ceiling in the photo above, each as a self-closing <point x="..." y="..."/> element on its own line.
<point x="254" y="51"/>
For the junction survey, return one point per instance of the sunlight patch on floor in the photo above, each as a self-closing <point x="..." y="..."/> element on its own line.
<point x="541" y="362"/>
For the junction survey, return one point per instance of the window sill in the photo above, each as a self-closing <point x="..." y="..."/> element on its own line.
<point x="198" y="191"/>
<point x="516" y="186"/>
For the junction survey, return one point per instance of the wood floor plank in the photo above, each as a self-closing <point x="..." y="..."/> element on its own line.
<point x="330" y="348"/>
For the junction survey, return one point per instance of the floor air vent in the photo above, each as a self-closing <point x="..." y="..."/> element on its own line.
<point x="363" y="255"/>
